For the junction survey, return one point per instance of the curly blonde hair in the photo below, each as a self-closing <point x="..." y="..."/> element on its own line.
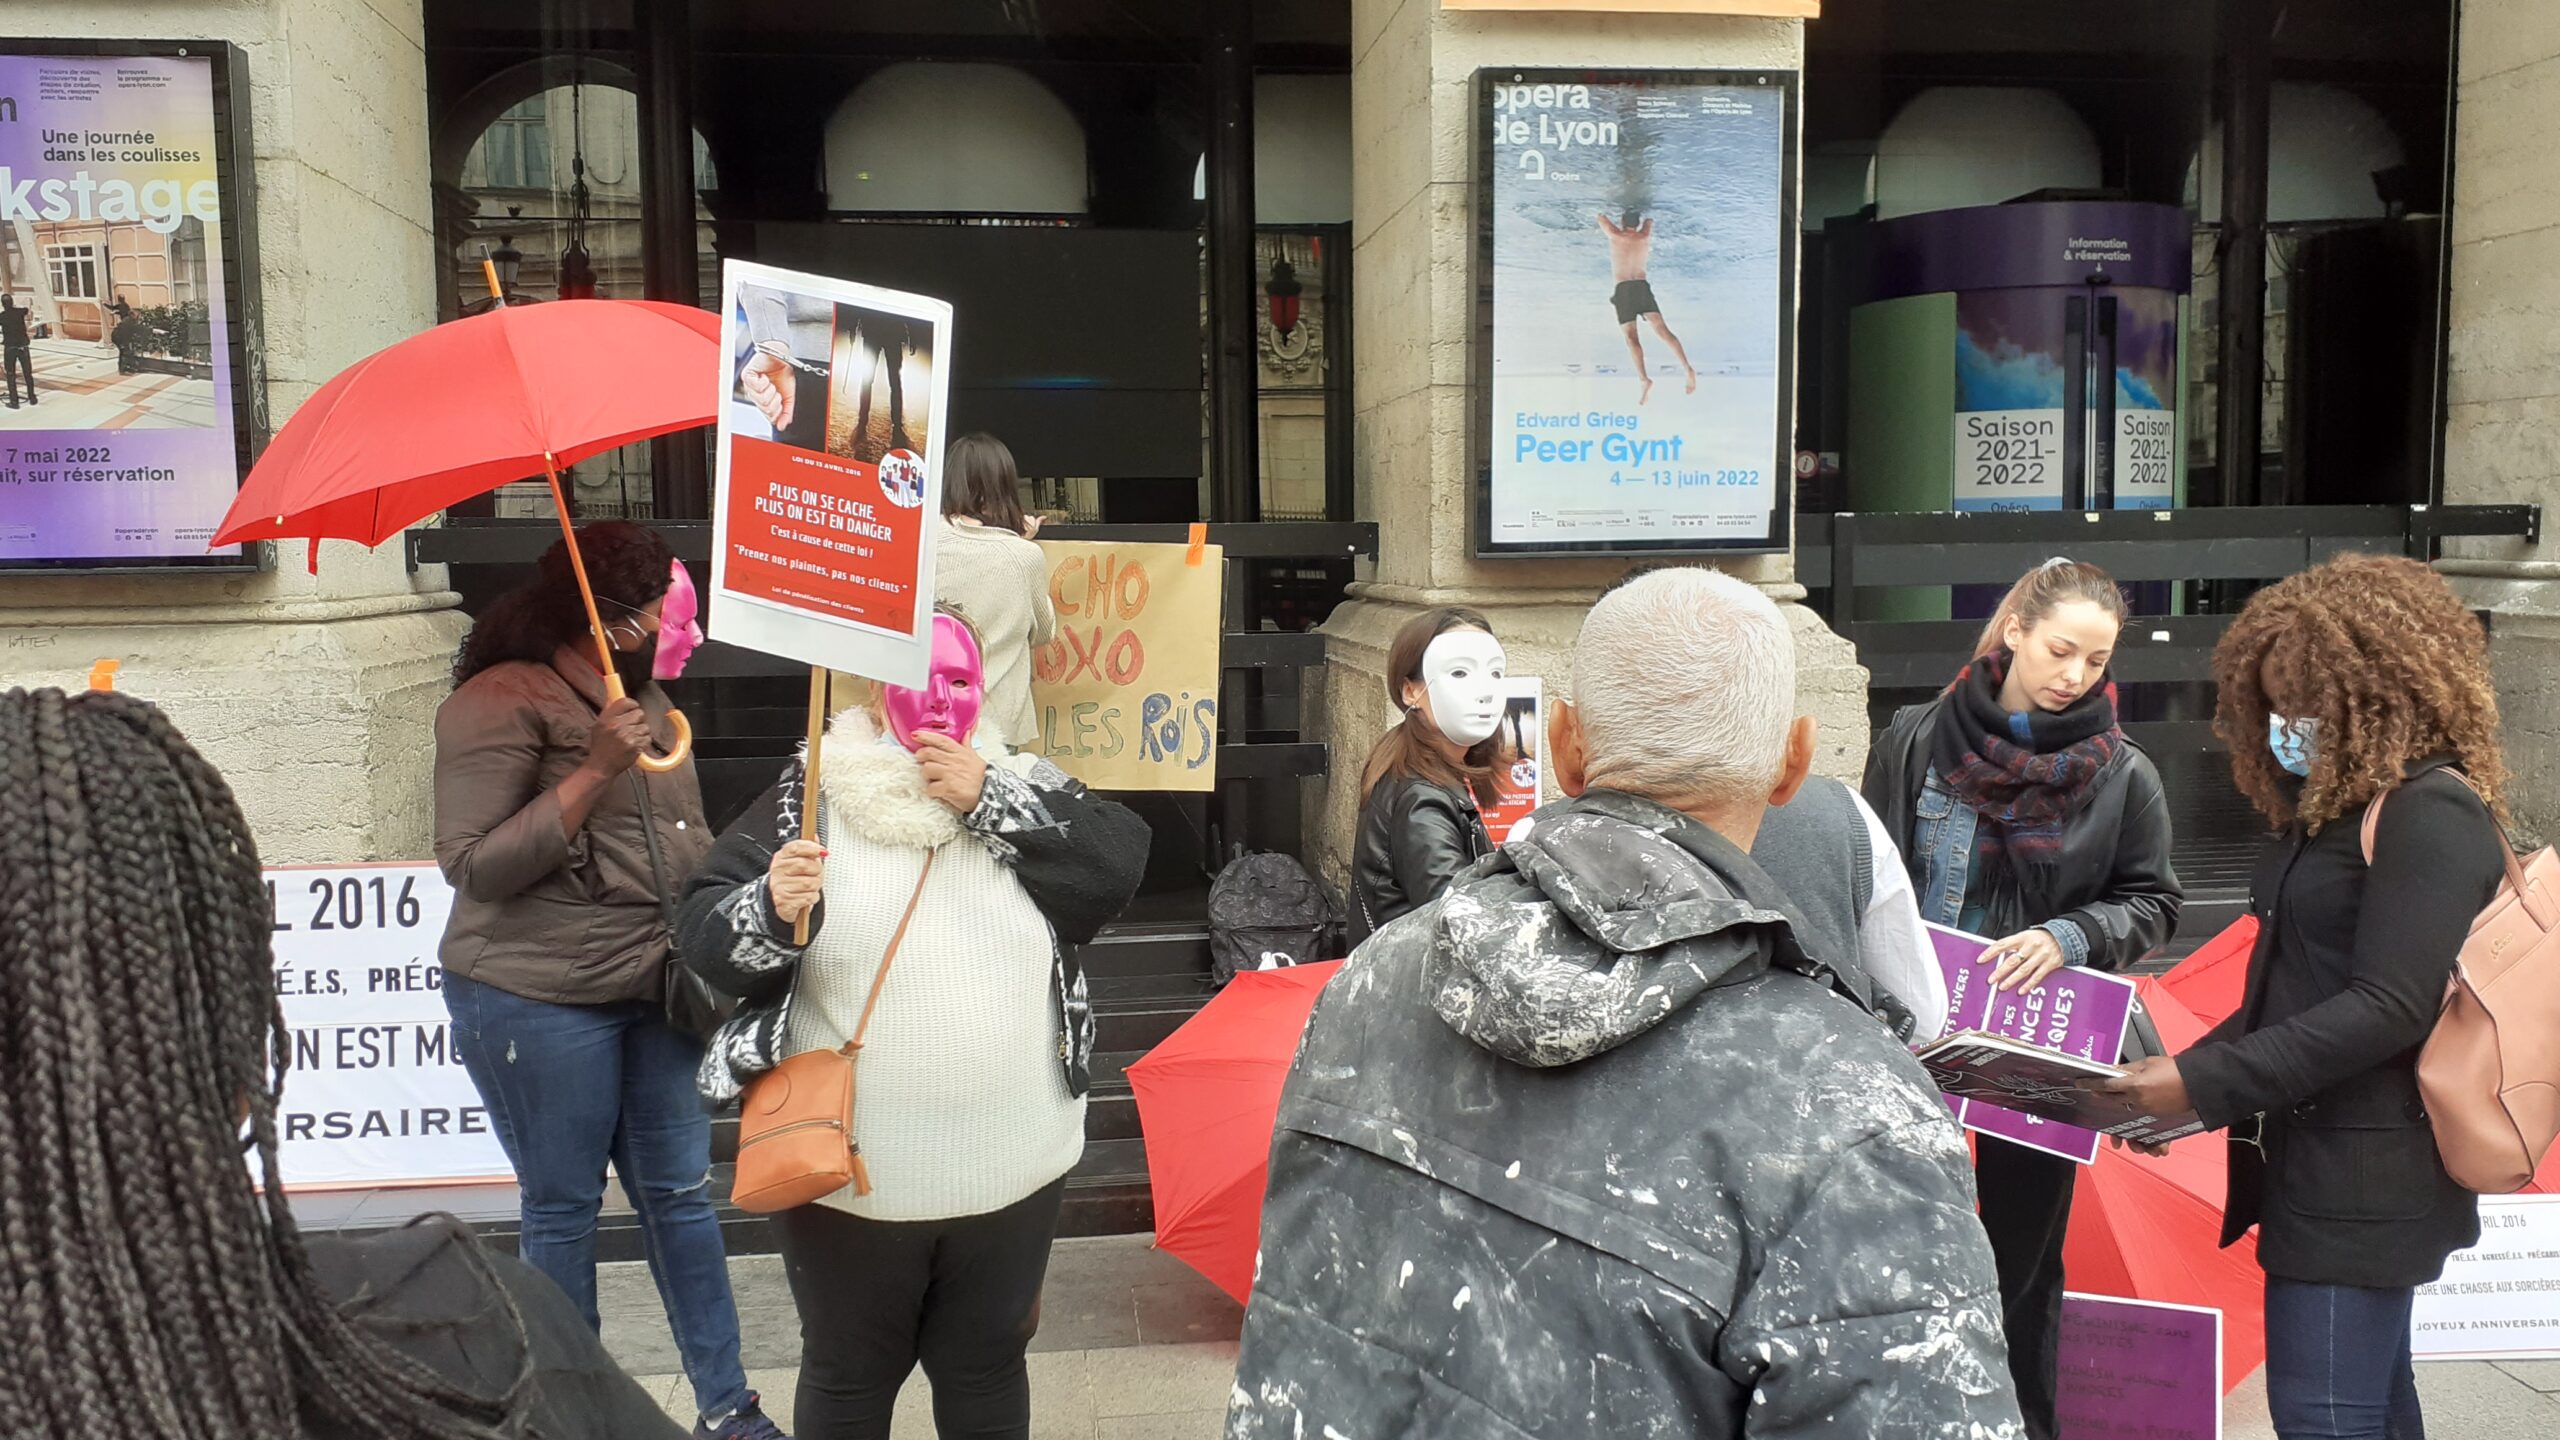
<point x="2382" y="653"/>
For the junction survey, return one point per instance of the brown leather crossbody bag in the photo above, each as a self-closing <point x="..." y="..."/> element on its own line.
<point x="795" y="1122"/>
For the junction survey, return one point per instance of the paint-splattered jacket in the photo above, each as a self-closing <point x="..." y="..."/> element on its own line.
<point x="1587" y="1149"/>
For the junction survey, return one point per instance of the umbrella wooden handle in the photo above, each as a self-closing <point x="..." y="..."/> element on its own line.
<point x="677" y="753"/>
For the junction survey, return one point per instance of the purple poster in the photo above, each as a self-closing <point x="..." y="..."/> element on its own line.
<point x="2135" y="1370"/>
<point x="116" y="419"/>
<point x="2079" y="1012"/>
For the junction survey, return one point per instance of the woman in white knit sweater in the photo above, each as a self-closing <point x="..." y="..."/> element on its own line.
<point x="970" y="1083"/>
<point x="986" y="567"/>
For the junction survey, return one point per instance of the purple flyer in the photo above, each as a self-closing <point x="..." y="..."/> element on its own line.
<point x="2135" y="1370"/>
<point x="2079" y="1012"/>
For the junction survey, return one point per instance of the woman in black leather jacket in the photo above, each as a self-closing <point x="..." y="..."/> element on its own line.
<point x="2364" y="679"/>
<point x="2024" y="812"/>
<point x="1428" y="779"/>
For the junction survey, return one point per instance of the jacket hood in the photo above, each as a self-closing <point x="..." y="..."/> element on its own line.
<point x="1611" y="915"/>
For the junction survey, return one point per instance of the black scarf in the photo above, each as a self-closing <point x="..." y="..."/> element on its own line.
<point x="2024" y="791"/>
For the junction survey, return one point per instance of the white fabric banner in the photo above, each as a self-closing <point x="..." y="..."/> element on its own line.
<point x="376" y="1094"/>
<point x="2500" y="1299"/>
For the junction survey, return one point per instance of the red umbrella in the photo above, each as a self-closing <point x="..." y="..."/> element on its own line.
<point x="2212" y="981"/>
<point x="1207" y="1100"/>
<point x="471" y="405"/>
<point x="2151" y="1229"/>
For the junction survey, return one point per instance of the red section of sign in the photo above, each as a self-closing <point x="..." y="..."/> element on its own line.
<point x="815" y="533"/>
<point x="1516" y="786"/>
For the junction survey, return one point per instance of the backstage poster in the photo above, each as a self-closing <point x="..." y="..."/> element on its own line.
<point x="830" y="470"/>
<point x="116" y="436"/>
<point x="1638" y="265"/>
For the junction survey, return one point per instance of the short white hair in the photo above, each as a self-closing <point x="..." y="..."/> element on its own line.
<point x="1685" y="680"/>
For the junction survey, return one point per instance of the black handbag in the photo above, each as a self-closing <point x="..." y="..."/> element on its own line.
<point x="692" y="1006"/>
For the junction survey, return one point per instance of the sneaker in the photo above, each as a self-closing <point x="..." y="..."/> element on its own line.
<point x="747" y="1422"/>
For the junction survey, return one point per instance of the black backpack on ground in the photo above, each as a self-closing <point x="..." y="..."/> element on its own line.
<point x="1266" y="912"/>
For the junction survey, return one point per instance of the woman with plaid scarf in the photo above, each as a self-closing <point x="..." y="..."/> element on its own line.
<point x="2024" y="812"/>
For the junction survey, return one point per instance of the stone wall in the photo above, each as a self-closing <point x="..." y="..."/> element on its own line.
<point x="1413" y="125"/>
<point x="2502" y="427"/>
<point x="315" y="694"/>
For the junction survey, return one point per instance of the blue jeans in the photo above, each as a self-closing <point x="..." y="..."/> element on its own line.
<point x="572" y="1086"/>
<point x="2338" y="1363"/>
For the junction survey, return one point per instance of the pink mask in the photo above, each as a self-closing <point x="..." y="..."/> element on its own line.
<point x="948" y="704"/>
<point x="679" y="627"/>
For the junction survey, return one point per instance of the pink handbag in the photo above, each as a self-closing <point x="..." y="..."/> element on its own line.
<point x="2490" y="1073"/>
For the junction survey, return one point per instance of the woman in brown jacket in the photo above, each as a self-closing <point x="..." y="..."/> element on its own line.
<point x="565" y="859"/>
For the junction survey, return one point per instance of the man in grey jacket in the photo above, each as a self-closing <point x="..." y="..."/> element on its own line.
<point x="1590" y="1148"/>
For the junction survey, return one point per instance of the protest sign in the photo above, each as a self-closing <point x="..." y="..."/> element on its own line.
<point x="2500" y="1299"/>
<point x="376" y="1094"/>
<point x="1127" y="692"/>
<point x="2138" y="1370"/>
<point x="1519" y="775"/>
<point x="830" y="470"/>
<point x="2078" y="1011"/>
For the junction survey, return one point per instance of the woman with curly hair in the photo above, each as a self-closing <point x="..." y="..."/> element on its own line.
<point x="2361" y="681"/>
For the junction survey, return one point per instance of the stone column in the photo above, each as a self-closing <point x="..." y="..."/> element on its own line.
<point x="1413" y="124"/>
<point x="2502" y="423"/>
<point x="314" y="695"/>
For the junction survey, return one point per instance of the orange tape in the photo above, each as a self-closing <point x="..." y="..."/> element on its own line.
<point x="1199" y="544"/>
<point x="102" y="675"/>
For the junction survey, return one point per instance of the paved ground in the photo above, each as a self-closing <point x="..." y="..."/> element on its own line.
<point x="1134" y="1346"/>
<point x="77" y="388"/>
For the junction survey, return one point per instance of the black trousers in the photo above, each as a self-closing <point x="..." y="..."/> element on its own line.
<point x="2026" y="1210"/>
<point x="20" y="360"/>
<point x="876" y="1297"/>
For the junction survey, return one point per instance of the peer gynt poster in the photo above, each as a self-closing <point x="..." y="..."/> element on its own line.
<point x="1635" y="310"/>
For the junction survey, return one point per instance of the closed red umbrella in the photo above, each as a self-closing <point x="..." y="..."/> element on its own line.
<point x="1208" y="1098"/>
<point x="2151" y="1229"/>
<point x="468" y="406"/>
<point x="2212" y="981"/>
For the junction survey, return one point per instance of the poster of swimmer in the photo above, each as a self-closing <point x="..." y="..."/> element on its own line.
<point x="1635" y="268"/>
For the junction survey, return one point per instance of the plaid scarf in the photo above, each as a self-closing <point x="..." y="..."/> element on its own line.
<point x="2024" y="791"/>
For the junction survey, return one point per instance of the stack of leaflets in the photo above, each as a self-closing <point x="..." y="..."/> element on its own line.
<point x="1983" y="1068"/>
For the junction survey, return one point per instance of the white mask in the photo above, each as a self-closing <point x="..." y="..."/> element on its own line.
<point x="1462" y="672"/>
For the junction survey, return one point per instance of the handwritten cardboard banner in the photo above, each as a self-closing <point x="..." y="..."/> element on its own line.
<point x="1127" y="693"/>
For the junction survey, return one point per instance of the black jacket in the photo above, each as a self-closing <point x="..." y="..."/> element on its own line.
<point x="434" y="1294"/>
<point x="1415" y="837"/>
<point x="2114" y="881"/>
<point x="1587" y="1148"/>
<point x="2344" y="986"/>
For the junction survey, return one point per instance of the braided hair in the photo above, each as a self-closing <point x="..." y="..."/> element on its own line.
<point x="149" y="1287"/>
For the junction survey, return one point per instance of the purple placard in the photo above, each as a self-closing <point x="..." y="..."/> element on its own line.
<point x="2134" y="1370"/>
<point x="2077" y="1011"/>
<point x="110" y="188"/>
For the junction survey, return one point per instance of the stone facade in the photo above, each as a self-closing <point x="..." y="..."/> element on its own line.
<point x="1414" y="129"/>
<point x="315" y="694"/>
<point x="2502" y="428"/>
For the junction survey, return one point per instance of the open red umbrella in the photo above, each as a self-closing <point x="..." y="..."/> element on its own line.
<point x="474" y="404"/>
<point x="2212" y="981"/>
<point x="1207" y="1100"/>
<point x="2151" y="1229"/>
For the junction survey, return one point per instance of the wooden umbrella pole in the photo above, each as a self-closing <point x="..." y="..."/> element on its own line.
<point x="809" y="778"/>
<point x="586" y="592"/>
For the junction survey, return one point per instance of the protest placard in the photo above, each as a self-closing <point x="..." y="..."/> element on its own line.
<point x="2138" y="1370"/>
<point x="376" y="1093"/>
<point x="830" y="470"/>
<point x="2078" y="1011"/>
<point x="1127" y="692"/>
<point x="1519" y="774"/>
<point x="2500" y="1299"/>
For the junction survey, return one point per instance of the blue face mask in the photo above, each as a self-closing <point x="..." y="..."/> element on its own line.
<point x="2293" y="742"/>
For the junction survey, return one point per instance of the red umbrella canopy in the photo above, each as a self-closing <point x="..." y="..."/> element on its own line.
<point x="1208" y="1098"/>
<point x="2151" y="1229"/>
<point x="473" y="404"/>
<point x="2213" y="981"/>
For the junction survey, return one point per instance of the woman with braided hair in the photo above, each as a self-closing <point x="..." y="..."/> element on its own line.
<point x="2361" y="682"/>
<point x="152" y="1287"/>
